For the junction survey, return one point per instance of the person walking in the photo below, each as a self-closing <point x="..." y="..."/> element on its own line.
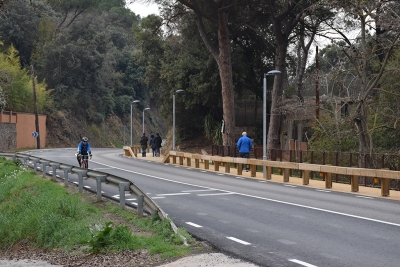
<point x="152" y="145"/>
<point x="143" y="143"/>
<point x="157" y="144"/>
<point x="244" y="145"/>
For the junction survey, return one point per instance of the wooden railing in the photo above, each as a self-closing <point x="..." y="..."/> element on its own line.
<point x="305" y="169"/>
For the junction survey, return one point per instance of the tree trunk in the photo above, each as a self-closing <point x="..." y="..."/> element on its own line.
<point x="273" y="140"/>
<point x="225" y="72"/>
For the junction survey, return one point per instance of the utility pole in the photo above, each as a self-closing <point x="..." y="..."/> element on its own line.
<point x="317" y="85"/>
<point x="36" y="108"/>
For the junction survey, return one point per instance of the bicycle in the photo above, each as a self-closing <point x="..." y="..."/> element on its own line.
<point x="84" y="161"/>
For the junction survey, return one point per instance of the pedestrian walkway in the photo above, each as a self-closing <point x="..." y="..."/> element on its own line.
<point x="339" y="187"/>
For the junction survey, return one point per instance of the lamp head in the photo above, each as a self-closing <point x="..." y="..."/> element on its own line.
<point x="273" y="72"/>
<point x="179" y="91"/>
<point x="146" y="109"/>
<point x="135" y="101"/>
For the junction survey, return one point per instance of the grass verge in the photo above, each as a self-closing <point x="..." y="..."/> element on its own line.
<point x="47" y="215"/>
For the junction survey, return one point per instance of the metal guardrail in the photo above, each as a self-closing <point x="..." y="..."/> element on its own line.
<point x="144" y="203"/>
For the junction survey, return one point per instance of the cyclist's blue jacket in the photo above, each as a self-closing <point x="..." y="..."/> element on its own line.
<point x="84" y="149"/>
<point x="244" y="144"/>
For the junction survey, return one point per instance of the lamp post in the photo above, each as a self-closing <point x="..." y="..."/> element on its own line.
<point x="134" y="101"/>
<point x="272" y="72"/>
<point x="143" y="117"/>
<point x="180" y="91"/>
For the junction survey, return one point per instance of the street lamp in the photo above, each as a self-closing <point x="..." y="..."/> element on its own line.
<point x="180" y="91"/>
<point x="143" y="117"/>
<point x="134" y="101"/>
<point x="272" y="72"/>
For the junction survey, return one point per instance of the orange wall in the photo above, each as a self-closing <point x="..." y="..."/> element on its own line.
<point x="25" y="128"/>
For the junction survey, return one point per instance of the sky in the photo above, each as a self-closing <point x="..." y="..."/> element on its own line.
<point x="143" y="9"/>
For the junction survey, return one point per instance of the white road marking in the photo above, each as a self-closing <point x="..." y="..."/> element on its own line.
<point x="157" y="197"/>
<point x="241" y="178"/>
<point x="267" y="199"/>
<point x="203" y="171"/>
<point x="201" y="190"/>
<point x="87" y="186"/>
<point x="220" y="174"/>
<point x="217" y="194"/>
<point x="174" y="194"/>
<point x="194" y="225"/>
<point x="302" y="263"/>
<point x="238" y="240"/>
<point x="320" y="190"/>
<point x="102" y="168"/>
<point x="130" y="199"/>
<point x="134" y="203"/>
<point x="365" y="197"/>
<point x="289" y="185"/>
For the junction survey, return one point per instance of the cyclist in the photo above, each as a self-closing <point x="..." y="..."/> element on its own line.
<point x="83" y="149"/>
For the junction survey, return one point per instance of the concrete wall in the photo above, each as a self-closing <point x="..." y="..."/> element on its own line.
<point x="24" y="124"/>
<point x="8" y="133"/>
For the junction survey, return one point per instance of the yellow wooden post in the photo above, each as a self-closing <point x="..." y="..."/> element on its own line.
<point x="306" y="177"/>
<point x="328" y="180"/>
<point x="253" y="170"/>
<point x="286" y="175"/>
<point x="197" y="163"/>
<point x="354" y="183"/>
<point x="269" y="173"/>
<point x="216" y="165"/>
<point x="385" y="187"/>
<point x="206" y="164"/>
<point x="188" y="161"/>
<point x="227" y="167"/>
<point x="239" y="168"/>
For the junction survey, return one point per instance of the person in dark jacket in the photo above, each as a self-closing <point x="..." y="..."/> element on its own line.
<point x="152" y="145"/>
<point x="244" y="145"/>
<point x="157" y="143"/>
<point x="143" y="143"/>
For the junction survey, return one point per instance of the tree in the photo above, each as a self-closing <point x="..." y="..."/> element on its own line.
<point x="368" y="58"/>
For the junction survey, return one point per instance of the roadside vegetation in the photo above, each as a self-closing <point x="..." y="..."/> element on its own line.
<point x="47" y="216"/>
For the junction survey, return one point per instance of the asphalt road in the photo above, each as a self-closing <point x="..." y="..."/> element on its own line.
<point x="266" y="223"/>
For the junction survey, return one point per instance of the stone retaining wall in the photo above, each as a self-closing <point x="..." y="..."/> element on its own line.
<point x="8" y="136"/>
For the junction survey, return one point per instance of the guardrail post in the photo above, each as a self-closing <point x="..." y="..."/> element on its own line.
<point x="328" y="180"/>
<point x="216" y="165"/>
<point x="180" y="160"/>
<point x="188" y="161"/>
<point x="206" y="164"/>
<point x="66" y="171"/>
<point x="269" y="173"/>
<point x="25" y="160"/>
<point x="239" y="168"/>
<point x="253" y="170"/>
<point x="354" y="183"/>
<point x="122" y="188"/>
<point x="55" y="166"/>
<point x="140" y="199"/>
<point x="227" y="167"/>
<point x="99" y="180"/>
<point x="15" y="157"/>
<point x="80" y="180"/>
<point x="306" y="177"/>
<point x="286" y="175"/>
<point x="385" y="188"/>
<point x="44" y="165"/>
<point x="35" y="161"/>
<point x="197" y="163"/>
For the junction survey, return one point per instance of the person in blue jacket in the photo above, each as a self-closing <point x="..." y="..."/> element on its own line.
<point x="244" y="145"/>
<point x="84" y="149"/>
